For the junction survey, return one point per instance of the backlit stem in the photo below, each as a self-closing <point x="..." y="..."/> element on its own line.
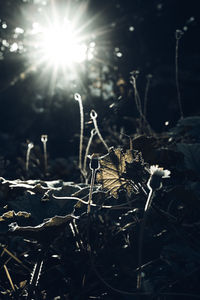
<point x="78" y="98"/>
<point x="93" y="116"/>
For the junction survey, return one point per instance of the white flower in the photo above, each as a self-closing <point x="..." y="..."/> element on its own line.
<point x="156" y="175"/>
<point x="156" y="170"/>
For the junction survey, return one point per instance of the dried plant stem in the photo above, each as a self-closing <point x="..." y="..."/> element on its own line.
<point x="78" y="98"/>
<point x="91" y="190"/>
<point x="12" y="256"/>
<point x="177" y="75"/>
<point x="93" y="132"/>
<point x="44" y="139"/>
<point x="137" y="97"/>
<point x="120" y="206"/>
<point x="45" y="156"/>
<point x="76" y="234"/>
<point x="9" y="277"/>
<point x="146" y="94"/>
<point x="29" y="147"/>
<point x="93" y="116"/>
<point x="141" y="235"/>
<point x="142" y="120"/>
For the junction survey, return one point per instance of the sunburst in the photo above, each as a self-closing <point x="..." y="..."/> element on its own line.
<point x="56" y="41"/>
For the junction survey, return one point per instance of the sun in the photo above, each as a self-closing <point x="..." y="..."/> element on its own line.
<point x="60" y="41"/>
<point x="60" y="45"/>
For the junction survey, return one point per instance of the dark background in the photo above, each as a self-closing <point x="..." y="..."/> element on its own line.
<point x="149" y="48"/>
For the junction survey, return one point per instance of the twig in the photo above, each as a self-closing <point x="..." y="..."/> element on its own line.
<point x="9" y="277"/>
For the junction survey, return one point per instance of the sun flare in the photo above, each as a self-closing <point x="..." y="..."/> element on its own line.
<point x="60" y="45"/>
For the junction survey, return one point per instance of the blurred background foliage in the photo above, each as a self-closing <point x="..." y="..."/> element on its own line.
<point x="124" y="36"/>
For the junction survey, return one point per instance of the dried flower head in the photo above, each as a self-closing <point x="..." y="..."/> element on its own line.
<point x="156" y="176"/>
<point x="44" y="138"/>
<point x="94" y="162"/>
<point x="178" y="34"/>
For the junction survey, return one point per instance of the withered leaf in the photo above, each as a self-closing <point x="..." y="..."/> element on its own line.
<point x="45" y="231"/>
<point x="113" y="171"/>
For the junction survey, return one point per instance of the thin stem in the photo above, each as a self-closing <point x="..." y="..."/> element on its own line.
<point x="9" y="277"/>
<point x="78" y="98"/>
<point x="29" y="147"/>
<point x="141" y="235"/>
<point x="93" y="116"/>
<point x="45" y="156"/>
<point x="142" y="119"/>
<point x="94" y="166"/>
<point x="178" y="36"/>
<point x="120" y="206"/>
<point x="91" y="190"/>
<point x="44" y="139"/>
<point x="14" y="257"/>
<point x="93" y="132"/>
<point x="137" y="97"/>
<point x="146" y="94"/>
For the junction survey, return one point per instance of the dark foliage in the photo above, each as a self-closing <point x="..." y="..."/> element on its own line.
<point x="73" y="255"/>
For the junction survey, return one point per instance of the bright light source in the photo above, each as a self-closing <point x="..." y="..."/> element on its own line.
<point x="60" y="45"/>
<point x="59" y="40"/>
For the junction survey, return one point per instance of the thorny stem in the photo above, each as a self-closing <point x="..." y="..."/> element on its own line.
<point x="29" y="147"/>
<point x="93" y="132"/>
<point x="78" y="98"/>
<point x="93" y="116"/>
<point x="141" y="235"/>
<point x="35" y="275"/>
<point x="177" y="75"/>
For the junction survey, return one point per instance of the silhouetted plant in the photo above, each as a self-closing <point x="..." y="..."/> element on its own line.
<point x="154" y="183"/>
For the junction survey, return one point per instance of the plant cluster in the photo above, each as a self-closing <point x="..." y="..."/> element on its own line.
<point x="127" y="233"/>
